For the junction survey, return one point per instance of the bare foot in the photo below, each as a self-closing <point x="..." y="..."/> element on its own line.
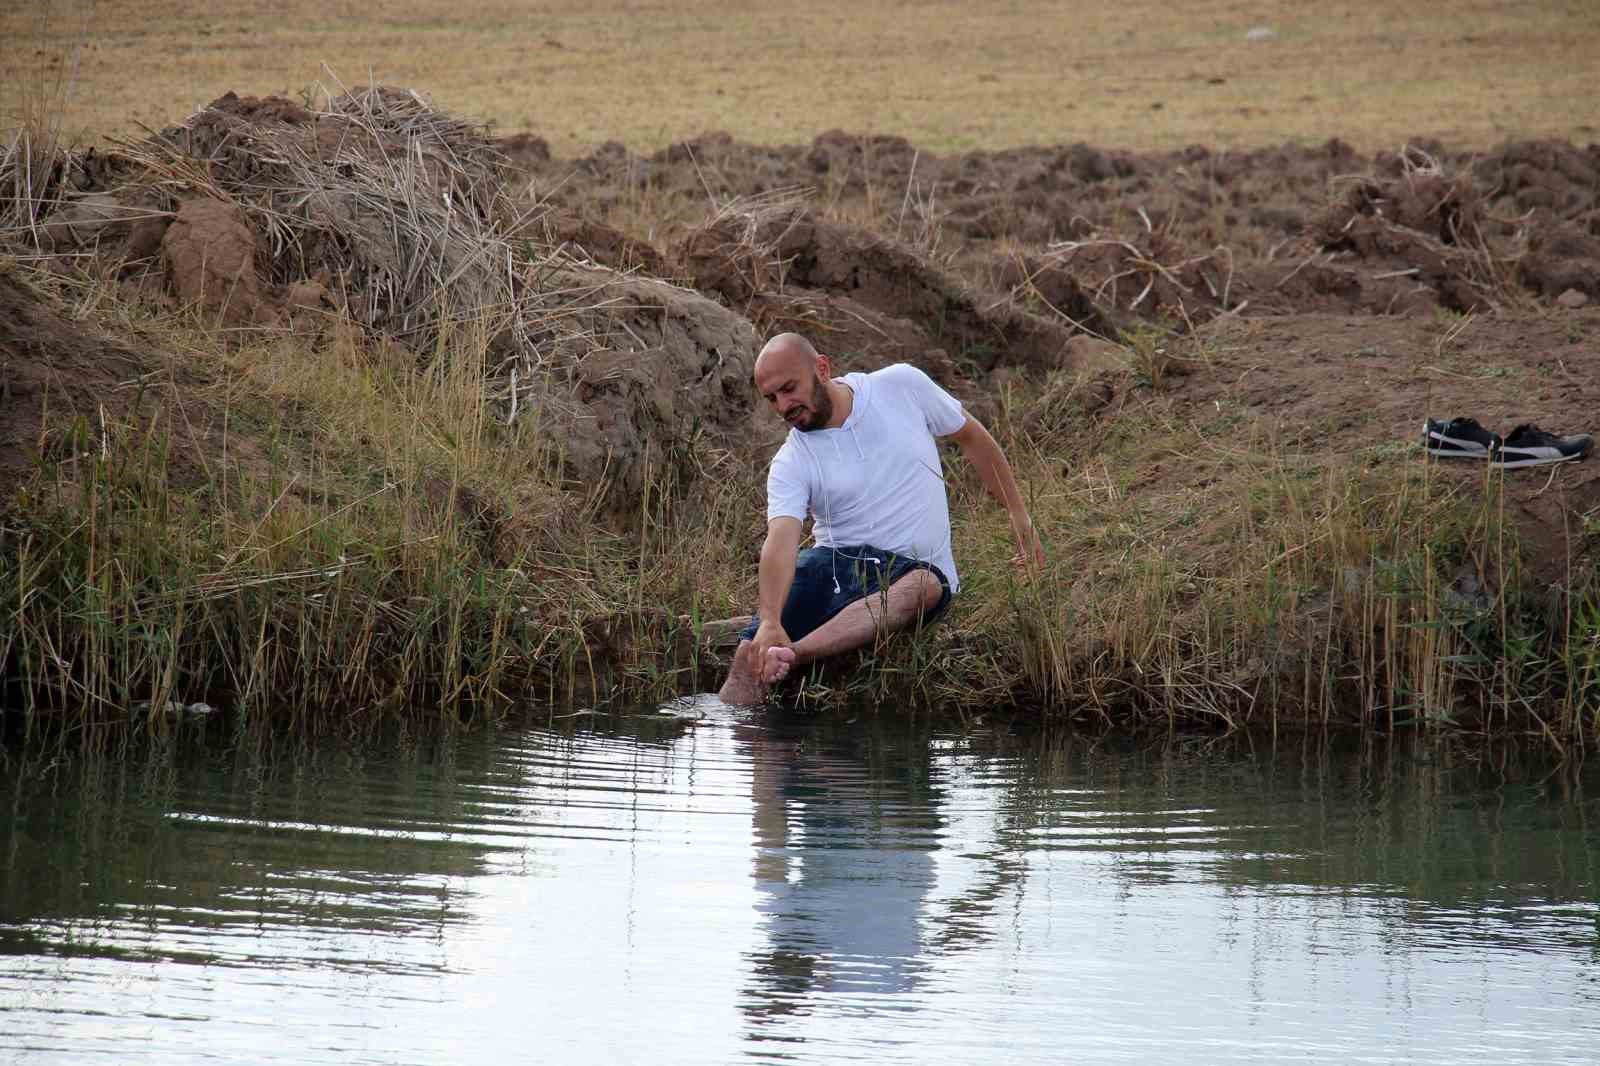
<point x="744" y="686"/>
<point x="779" y="661"/>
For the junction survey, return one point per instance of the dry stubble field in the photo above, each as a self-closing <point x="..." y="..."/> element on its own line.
<point x="1140" y="74"/>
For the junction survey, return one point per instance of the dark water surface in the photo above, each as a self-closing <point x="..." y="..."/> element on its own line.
<point x="777" y="887"/>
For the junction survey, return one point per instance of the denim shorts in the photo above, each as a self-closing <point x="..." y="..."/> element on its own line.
<point x="827" y="580"/>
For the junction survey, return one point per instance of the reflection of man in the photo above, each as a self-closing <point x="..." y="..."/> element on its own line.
<point x="862" y="460"/>
<point x="843" y="867"/>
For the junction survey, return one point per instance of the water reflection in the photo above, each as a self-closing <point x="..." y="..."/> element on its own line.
<point x="843" y="866"/>
<point x="247" y="857"/>
<point x="782" y="887"/>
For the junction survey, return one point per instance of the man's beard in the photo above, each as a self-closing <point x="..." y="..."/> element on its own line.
<point x="821" y="408"/>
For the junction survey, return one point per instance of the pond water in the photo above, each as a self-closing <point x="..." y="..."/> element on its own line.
<point x="775" y="886"/>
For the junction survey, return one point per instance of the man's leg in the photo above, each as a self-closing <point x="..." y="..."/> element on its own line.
<point x="859" y="624"/>
<point x="811" y="600"/>
<point x="744" y="685"/>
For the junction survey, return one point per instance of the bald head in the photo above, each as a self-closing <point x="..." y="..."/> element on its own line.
<point x="792" y="376"/>
<point x="787" y="350"/>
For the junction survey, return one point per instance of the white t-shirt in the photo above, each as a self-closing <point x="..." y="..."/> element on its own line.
<point x="877" y="479"/>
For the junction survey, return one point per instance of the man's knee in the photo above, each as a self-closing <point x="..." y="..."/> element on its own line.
<point x="925" y="586"/>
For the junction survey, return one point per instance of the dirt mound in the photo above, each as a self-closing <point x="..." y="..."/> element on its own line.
<point x="802" y="268"/>
<point x="376" y="197"/>
<point x="45" y="355"/>
<point x="65" y="388"/>
<point x="1410" y="236"/>
<point x="1043" y="282"/>
<point x="593" y="241"/>
<point x="374" y="207"/>
<point x="209" y="255"/>
<point x="856" y="336"/>
<point x="1554" y="177"/>
<point x="1426" y="225"/>
<point x="665" y="382"/>
<point x="245" y="140"/>
<point x="1092" y="279"/>
<point x="1564" y="258"/>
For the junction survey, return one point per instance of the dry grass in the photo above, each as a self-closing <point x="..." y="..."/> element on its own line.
<point x="370" y="543"/>
<point x="1296" y="589"/>
<point x="1140" y="74"/>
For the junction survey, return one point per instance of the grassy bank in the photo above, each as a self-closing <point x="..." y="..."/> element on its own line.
<point x="355" y="535"/>
<point x="350" y="554"/>
<point x="1272" y="585"/>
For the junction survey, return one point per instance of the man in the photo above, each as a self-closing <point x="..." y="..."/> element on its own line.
<point x="862" y="460"/>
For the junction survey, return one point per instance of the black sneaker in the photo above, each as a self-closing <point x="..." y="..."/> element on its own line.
<point x="1459" y="438"/>
<point x="1528" y="445"/>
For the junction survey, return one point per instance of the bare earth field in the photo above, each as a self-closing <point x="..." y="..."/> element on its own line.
<point x="1198" y="282"/>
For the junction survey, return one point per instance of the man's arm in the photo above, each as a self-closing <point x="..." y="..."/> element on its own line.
<point x="776" y="574"/>
<point x="984" y="453"/>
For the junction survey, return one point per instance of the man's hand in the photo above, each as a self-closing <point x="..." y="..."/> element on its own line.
<point x="769" y="635"/>
<point x="1029" y="558"/>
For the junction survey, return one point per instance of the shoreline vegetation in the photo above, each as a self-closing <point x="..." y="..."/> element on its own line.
<point x="342" y="410"/>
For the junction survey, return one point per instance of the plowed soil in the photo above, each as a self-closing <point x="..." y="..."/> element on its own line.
<point x="1275" y="230"/>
